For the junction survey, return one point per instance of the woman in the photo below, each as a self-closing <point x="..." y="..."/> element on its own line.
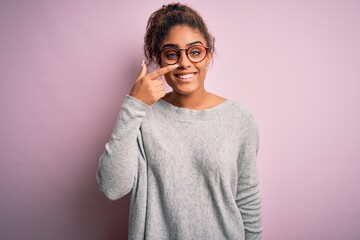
<point x="188" y="156"/>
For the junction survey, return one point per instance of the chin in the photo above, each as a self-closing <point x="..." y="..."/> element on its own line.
<point x="186" y="90"/>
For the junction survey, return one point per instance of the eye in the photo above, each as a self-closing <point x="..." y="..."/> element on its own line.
<point x="195" y="51"/>
<point x="170" y="54"/>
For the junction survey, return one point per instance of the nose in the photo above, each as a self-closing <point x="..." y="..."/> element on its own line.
<point x="184" y="61"/>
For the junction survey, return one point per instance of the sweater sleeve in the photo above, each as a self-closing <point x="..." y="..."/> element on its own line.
<point x="248" y="194"/>
<point x="118" y="163"/>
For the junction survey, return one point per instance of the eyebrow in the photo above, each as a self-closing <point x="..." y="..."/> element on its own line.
<point x="177" y="46"/>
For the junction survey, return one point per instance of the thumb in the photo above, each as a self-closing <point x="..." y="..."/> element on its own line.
<point x="143" y="71"/>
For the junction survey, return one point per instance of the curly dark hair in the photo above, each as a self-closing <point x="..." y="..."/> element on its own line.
<point x="161" y="22"/>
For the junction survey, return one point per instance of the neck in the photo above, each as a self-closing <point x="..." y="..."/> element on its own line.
<point x="192" y="101"/>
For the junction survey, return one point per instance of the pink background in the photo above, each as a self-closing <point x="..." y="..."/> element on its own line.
<point x="67" y="65"/>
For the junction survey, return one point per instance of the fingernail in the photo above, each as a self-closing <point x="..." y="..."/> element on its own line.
<point x="142" y="64"/>
<point x="175" y="66"/>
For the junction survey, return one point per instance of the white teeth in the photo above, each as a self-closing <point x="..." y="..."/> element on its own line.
<point x="186" y="76"/>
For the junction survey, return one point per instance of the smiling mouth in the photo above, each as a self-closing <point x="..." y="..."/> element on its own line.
<point x="185" y="77"/>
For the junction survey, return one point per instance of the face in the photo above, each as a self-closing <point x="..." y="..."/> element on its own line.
<point x="189" y="77"/>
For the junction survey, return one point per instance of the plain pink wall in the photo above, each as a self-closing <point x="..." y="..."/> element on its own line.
<point x="67" y="65"/>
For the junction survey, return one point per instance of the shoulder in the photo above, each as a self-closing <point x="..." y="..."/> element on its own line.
<point x="240" y="110"/>
<point x="243" y="116"/>
<point x="247" y="126"/>
<point x="234" y="107"/>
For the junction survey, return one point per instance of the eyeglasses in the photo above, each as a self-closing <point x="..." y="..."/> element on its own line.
<point x="171" y="55"/>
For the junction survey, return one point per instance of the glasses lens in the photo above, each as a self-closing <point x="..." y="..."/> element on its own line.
<point x="197" y="53"/>
<point x="169" y="55"/>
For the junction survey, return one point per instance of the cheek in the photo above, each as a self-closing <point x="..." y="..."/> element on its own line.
<point x="202" y="66"/>
<point x="168" y="78"/>
<point x="202" y="69"/>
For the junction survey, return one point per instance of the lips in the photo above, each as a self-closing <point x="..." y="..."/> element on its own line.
<point x="184" y="76"/>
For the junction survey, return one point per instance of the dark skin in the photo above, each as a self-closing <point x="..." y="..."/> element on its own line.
<point x="149" y="88"/>
<point x="186" y="78"/>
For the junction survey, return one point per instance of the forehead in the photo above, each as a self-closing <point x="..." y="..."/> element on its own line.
<point x="182" y="35"/>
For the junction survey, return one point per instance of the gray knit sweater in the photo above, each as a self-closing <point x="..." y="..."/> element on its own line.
<point x="192" y="173"/>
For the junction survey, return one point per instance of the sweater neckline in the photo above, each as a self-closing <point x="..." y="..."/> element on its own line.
<point x="193" y="114"/>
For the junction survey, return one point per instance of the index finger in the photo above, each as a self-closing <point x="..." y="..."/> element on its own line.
<point x="161" y="71"/>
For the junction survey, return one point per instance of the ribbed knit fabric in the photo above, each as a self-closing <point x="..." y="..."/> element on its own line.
<point x="192" y="173"/>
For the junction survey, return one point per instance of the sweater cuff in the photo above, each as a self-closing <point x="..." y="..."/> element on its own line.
<point x="134" y="103"/>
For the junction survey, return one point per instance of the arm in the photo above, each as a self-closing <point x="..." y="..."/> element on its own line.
<point x="248" y="196"/>
<point x="118" y="163"/>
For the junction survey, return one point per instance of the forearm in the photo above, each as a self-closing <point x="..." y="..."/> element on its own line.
<point x="249" y="204"/>
<point x="118" y="162"/>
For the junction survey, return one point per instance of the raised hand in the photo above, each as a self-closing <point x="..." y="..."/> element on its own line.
<point x="149" y="88"/>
